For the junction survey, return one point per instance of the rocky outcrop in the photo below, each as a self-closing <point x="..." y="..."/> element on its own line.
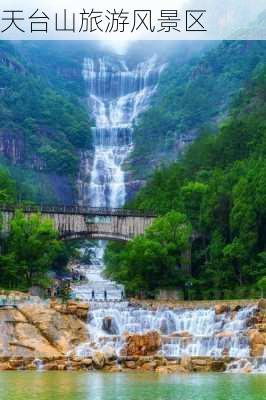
<point x="98" y="359"/>
<point x="142" y="344"/>
<point x="21" y="338"/>
<point x="36" y="330"/>
<point x="257" y="342"/>
<point x="262" y="305"/>
<point x="75" y="308"/>
<point x="63" y="331"/>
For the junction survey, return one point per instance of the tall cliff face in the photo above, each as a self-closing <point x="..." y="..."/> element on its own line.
<point x="44" y="126"/>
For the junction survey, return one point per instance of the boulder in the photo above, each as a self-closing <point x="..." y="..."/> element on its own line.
<point x="186" y="363"/>
<point x="98" y="359"/>
<point x="257" y="342"/>
<point x="236" y="308"/>
<point x="142" y="344"/>
<point x="257" y="350"/>
<point x="149" y="366"/>
<point x="109" y="325"/>
<point x="218" y="365"/>
<point x="109" y="353"/>
<point x="86" y="362"/>
<point x="221" y="308"/>
<point x="113" y="368"/>
<point x="262" y="305"/>
<point x="130" y="364"/>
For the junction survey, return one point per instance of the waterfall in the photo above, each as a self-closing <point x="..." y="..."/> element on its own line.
<point x="117" y="94"/>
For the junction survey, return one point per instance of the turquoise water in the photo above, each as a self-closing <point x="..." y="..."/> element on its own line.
<point x="130" y="386"/>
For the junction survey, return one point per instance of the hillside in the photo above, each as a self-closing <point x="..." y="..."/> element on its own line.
<point x="191" y="98"/>
<point x="43" y="127"/>
<point x="218" y="192"/>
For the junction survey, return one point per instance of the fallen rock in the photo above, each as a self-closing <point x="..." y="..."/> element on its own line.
<point x="221" y="308"/>
<point x="257" y="350"/>
<point x="98" y="359"/>
<point x="86" y="362"/>
<point x="109" y="325"/>
<point x="109" y="353"/>
<point x="218" y="365"/>
<point x="142" y="344"/>
<point x="130" y="364"/>
<point x="186" y="363"/>
<point x="149" y="366"/>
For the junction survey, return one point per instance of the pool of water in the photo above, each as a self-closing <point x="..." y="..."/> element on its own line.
<point x="130" y="386"/>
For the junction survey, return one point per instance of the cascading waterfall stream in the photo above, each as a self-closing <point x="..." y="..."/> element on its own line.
<point x="116" y="96"/>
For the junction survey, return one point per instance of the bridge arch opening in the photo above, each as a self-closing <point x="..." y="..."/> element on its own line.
<point x="96" y="236"/>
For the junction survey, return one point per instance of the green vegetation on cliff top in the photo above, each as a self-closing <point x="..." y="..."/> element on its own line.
<point x="219" y="188"/>
<point x="192" y="96"/>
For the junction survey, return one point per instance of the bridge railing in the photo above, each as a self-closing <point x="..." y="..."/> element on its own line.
<point x="77" y="210"/>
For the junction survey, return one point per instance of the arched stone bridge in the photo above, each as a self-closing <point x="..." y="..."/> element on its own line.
<point x="75" y="222"/>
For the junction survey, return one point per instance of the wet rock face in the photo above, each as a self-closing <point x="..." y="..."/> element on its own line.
<point x="109" y="325"/>
<point x="63" y="331"/>
<point x="75" y="308"/>
<point x="20" y="338"/>
<point x="257" y="342"/>
<point x="36" y="330"/>
<point x="142" y="344"/>
<point x="221" y="308"/>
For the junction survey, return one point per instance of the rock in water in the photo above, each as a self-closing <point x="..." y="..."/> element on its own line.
<point x="109" y="325"/>
<point x="221" y="308"/>
<point x="262" y="305"/>
<point x="142" y="344"/>
<point x="98" y="359"/>
<point x="109" y="353"/>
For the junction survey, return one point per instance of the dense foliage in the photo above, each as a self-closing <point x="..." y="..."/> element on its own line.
<point x="220" y="188"/>
<point x="32" y="249"/>
<point x="29" y="251"/>
<point x="51" y="122"/>
<point x="191" y="97"/>
<point x="154" y="259"/>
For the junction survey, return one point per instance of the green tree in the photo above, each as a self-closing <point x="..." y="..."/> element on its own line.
<point x="154" y="260"/>
<point x="30" y="250"/>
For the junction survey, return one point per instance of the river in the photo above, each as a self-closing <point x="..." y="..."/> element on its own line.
<point x="130" y="386"/>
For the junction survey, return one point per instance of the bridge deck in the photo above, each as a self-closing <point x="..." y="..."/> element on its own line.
<point x="78" y="210"/>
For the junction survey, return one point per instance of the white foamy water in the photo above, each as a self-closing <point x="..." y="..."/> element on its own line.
<point x="116" y="96"/>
